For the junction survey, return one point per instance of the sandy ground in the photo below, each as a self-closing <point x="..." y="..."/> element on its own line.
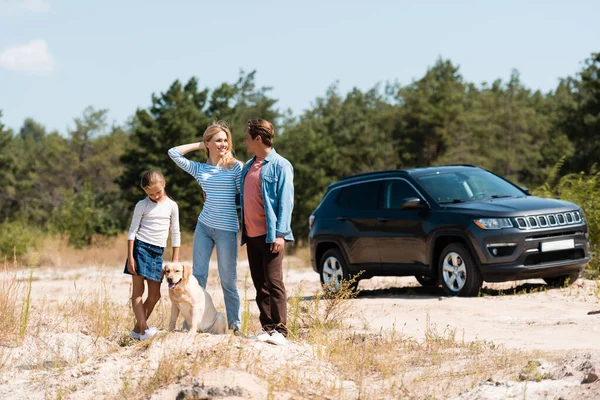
<point x="518" y="315"/>
<point x="547" y="319"/>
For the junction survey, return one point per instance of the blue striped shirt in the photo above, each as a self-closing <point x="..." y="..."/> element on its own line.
<point x="220" y="185"/>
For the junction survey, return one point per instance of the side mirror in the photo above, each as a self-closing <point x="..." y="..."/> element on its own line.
<point x="412" y="202"/>
<point x="525" y="189"/>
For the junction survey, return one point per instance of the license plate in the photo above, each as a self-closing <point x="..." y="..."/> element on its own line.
<point x="558" y="245"/>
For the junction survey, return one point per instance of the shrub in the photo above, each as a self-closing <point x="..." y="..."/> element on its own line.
<point x="81" y="215"/>
<point x="583" y="190"/>
<point x="16" y="238"/>
<point x="326" y="309"/>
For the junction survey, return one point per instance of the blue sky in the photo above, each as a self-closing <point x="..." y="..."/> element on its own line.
<point x="59" y="56"/>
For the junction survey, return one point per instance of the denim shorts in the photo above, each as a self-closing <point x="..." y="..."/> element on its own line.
<point x="148" y="260"/>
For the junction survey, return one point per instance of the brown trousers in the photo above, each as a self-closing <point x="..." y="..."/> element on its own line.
<point x="267" y="275"/>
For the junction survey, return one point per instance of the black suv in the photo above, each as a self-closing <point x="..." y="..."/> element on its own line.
<point x="455" y="225"/>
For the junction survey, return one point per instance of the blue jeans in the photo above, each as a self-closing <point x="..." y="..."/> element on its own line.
<point x="205" y="239"/>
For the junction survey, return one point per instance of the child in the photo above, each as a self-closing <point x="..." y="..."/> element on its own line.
<point x="145" y="245"/>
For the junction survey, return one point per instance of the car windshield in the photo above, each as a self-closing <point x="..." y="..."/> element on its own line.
<point x="459" y="187"/>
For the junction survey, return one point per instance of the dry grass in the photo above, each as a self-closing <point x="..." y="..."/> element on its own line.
<point x="379" y="366"/>
<point x="10" y="294"/>
<point x="401" y="366"/>
<point x="96" y="314"/>
<point x="15" y="301"/>
<point x="171" y="367"/>
<point x="107" y="251"/>
<point x="330" y="360"/>
<point x="56" y="253"/>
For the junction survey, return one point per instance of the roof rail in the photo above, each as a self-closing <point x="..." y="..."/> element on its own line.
<point x="363" y="174"/>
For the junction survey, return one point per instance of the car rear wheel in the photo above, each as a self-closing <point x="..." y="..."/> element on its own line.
<point x="563" y="280"/>
<point x="458" y="273"/>
<point x="427" y="281"/>
<point x="333" y="271"/>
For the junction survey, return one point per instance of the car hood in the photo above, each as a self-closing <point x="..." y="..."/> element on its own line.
<point x="514" y="206"/>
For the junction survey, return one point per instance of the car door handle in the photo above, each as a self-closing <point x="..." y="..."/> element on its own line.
<point x="342" y="218"/>
<point x="383" y="219"/>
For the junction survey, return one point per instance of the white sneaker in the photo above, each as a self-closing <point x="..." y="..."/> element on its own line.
<point x="148" y="333"/>
<point x="134" y="335"/>
<point x="277" y="338"/>
<point x="261" y="337"/>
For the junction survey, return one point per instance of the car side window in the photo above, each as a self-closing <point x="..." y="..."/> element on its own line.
<point x="396" y="193"/>
<point x="361" y="196"/>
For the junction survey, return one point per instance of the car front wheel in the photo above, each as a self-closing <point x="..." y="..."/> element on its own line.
<point x="458" y="273"/>
<point x="333" y="271"/>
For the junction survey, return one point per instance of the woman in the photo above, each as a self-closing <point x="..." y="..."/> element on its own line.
<point x="220" y="179"/>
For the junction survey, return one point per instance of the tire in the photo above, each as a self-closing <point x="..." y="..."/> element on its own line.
<point x="457" y="271"/>
<point x="333" y="270"/>
<point x="427" y="281"/>
<point x="561" y="281"/>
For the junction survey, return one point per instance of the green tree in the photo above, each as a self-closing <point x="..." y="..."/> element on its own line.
<point x="88" y="163"/>
<point x="509" y="129"/>
<point x="29" y="144"/>
<point x="54" y="173"/>
<point x="239" y="102"/>
<point x="82" y="214"/>
<point x="433" y="115"/>
<point x="8" y="189"/>
<point x="582" y="115"/>
<point x="555" y="146"/>
<point x="32" y="130"/>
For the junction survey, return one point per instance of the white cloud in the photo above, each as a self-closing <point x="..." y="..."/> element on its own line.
<point x="33" y="57"/>
<point x="17" y="7"/>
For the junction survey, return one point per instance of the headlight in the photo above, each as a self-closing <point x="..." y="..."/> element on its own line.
<point x="494" y="223"/>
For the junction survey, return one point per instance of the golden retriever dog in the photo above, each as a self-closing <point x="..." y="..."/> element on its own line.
<point x="194" y="303"/>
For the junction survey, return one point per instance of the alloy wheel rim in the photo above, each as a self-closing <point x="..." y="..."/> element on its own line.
<point x="454" y="271"/>
<point x="332" y="273"/>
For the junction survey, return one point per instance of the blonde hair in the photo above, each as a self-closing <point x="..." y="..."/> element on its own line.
<point x="228" y="159"/>
<point x="151" y="178"/>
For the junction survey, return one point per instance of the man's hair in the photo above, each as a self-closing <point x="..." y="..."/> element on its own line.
<point x="262" y="128"/>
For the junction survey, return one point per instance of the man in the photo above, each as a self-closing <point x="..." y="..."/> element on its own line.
<point x="267" y="199"/>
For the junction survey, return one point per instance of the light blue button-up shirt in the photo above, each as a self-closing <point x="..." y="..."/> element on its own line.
<point x="277" y="187"/>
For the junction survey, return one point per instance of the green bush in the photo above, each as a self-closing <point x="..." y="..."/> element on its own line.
<point x="583" y="190"/>
<point x="81" y="215"/>
<point x="17" y="238"/>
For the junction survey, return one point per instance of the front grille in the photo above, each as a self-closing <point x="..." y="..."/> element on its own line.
<point x="547" y="220"/>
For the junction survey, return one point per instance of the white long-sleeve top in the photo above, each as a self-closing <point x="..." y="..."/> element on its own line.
<point x="151" y="222"/>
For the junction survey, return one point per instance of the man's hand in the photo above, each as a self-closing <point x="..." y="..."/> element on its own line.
<point x="278" y="245"/>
